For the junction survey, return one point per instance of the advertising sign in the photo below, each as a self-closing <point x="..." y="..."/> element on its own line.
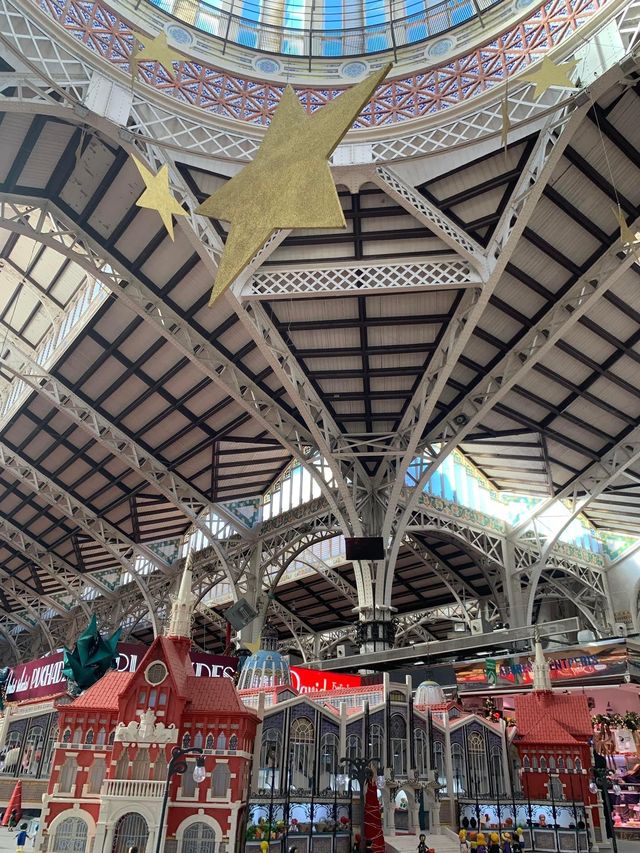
<point x="575" y="665"/>
<point x="43" y="677"/>
<point x="309" y="680"/>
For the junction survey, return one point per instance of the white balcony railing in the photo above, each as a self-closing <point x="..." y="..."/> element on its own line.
<point x="132" y="788"/>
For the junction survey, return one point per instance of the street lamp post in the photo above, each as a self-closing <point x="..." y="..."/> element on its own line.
<point x="360" y="770"/>
<point x="178" y="765"/>
<point x="601" y="783"/>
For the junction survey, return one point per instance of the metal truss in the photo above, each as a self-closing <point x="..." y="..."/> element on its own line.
<point x="203" y="238"/>
<point x="542" y="162"/>
<point x="412" y="624"/>
<point x="336" y="580"/>
<point x="486" y="547"/>
<point x="591" y="602"/>
<point x="430" y="216"/>
<point x="121" y="548"/>
<point x="152" y="117"/>
<point x="439" y="273"/>
<point x="460" y="590"/>
<point x="73" y="581"/>
<point x="15" y="586"/>
<point x="494" y="385"/>
<point x="42" y="221"/>
<point x="30" y="604"/>
<point x="183" y="496"/>
<point x="350" y="478"/>
<point x="575" y="497"/>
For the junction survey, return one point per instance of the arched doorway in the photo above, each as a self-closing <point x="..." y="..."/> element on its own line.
<point x="70" y="836"/>
<point x="131" y="831"/>
<point x="403" y="811"/>
<point x="198" y="838"/>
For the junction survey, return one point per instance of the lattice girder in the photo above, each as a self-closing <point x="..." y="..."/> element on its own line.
<point x="433" y="274"/>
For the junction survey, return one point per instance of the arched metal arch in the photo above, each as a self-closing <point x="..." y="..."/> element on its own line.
<point x="562" y="595"/>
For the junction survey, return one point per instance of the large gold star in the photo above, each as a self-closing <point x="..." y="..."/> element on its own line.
<point x="550" y="74"/>
<point x="157" y="195"/>
<point x="157" y="49"/>
<point x="289" y="183"/>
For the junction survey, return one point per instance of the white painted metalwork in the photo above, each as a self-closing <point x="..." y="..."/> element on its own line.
<point x="288" y="283"/>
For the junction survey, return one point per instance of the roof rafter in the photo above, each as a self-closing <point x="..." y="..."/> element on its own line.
<point x="183" y="496"/>
<point x="43" y="221"/>
<point x="121" y="548"/>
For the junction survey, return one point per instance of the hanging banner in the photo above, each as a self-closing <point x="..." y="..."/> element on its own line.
<point x="579" y="664"/>
<point x="43" y="677"/>
<point x="311" y="680"/>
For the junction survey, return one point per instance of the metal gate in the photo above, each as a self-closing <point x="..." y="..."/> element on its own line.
<point x="131" y="831"/>
<point x="198" y="838"/>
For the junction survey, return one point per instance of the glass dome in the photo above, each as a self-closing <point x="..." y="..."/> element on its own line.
<point x="429" y="693"/>
<point x="329" y="28"/>
<point x="265" y="668"/>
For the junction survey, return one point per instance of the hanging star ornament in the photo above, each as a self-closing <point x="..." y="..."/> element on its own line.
<point x="157" y="49"/>
<point x="158" y="196"/>
<point x="289" y="183"/>
<point x="629" y="238"/>
<point x="550" y="74"/>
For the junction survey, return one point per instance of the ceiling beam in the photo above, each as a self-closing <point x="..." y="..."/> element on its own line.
<point x="177" y="491"/>
<point x="119" y="546"/>
<point x="429" y="215"/>
<point x="461" y="645"/>
<point x="42" y="220"/>
<point x="360" y="278"/>
<point x="53" y="565"/>
<point x="546" y="154"/>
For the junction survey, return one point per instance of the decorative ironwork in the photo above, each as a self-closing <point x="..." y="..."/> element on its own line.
<point x="216" y="91"/>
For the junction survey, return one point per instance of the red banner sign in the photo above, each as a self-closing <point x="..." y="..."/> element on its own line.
<point x="43" y="677"/>
<point x="310" y="680"/>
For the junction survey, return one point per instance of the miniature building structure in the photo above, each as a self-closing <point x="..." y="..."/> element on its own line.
<point x="110" y="766"/>
<point x="553" y="741"/>
<point x="299" y="782"/>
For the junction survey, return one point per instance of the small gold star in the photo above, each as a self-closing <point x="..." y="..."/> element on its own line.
<point x="551" y="74"/>
<point x="155" y="50"/>
<point x="157" y="195"/>
<point x="628" y="238"/>
<point x="289" y="183"/>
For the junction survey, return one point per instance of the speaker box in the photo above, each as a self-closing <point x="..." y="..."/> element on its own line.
<point x="240" y="614"/>
<point x="364" y="548"/>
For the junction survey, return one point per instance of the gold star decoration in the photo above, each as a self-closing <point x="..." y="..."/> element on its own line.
<point x="550" y="74"/>
<point x="628" y="238"/>
<point x="157" y="195"/>
<point x="157" y="49"/>
<point x="289" y="183"/>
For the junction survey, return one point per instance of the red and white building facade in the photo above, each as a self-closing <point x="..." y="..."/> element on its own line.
<point x="110" y="764"/>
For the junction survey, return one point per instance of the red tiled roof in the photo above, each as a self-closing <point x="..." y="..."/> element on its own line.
<point x="103" y="696"/>
<point x="552" y="718"/>
<point x="548" y="732"/>
<point x="215" y="694"/>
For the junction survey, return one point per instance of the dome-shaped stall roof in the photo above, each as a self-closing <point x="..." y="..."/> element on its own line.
<point x="429" y="693"/>
<point x="265" y="668"/>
